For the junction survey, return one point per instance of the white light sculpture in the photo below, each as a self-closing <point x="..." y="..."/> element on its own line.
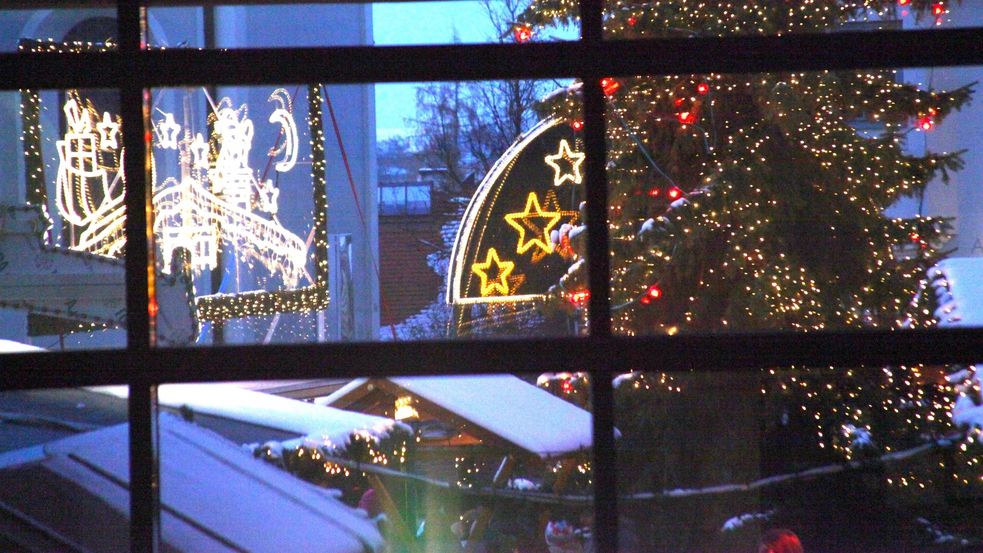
<point x="215" y="203"/>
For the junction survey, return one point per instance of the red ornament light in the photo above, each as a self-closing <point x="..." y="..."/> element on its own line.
<point x="566" y="386"/>
<point x="686" y="117"/>
<point x="609" y="85"/>
<point x="674" y="193"/>
<point x="654" y="192"/>
<point x="938" y="8"/>
<point x="577" y="125"/>
<point x="904" y="2"/>
<point x="632" y="20"/>
<point x="702" y="89"/>
<point x="522" y="33"/>
<point x="926" y="123"/>
<point x="652" y="293"/>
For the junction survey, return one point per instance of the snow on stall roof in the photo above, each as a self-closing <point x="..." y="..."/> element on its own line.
<point x="10" y="346"/>
<point x="505" y="405"/>
<point x="225" y="492"/>
<point x="327" y="426"/>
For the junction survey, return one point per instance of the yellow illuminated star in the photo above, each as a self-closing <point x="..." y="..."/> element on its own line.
<point x="525" y="220"/>
<point x="500" y="283"/>
<point x="575" y="159"/>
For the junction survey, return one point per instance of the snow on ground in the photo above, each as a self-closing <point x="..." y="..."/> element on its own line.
<point x="505" y="405"/>
<point x="326" y="426"/>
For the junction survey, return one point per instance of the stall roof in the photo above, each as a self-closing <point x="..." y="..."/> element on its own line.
<point x="327" y="426"/>
<point x="504" y="405"/>
<point x="10" y="346"/>
<point x="214" y="496"/>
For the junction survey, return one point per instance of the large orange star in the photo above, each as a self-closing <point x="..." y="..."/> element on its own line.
<point x="575" y="159"/>
<point x="500" y="283"/>
<point x="526" y="220"/>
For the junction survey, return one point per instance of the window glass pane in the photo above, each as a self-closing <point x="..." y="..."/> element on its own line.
<point x="264" y="207"/>
<point x="64" y="471"/>
<point x="386" y="464"/>
<point x="628" y="20"/>
<point x="849" y="460"/>
<point x="393" y="200"/>
<point x="806" y="201"/>
<point x="62" y="274"/>
<point x="417" y="200"/>
<point x="276" y="25"/>
<point x="64" y="29"/>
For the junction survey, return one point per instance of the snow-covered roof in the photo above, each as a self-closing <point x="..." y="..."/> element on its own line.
<point x="512" y="409"/>
<point x="317" y="423"/>
<point x="959" y="291"/>
<point x="214" y="496"/>
<point x="9" y="346"/>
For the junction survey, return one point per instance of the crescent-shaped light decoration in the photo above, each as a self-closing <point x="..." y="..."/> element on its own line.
<point x="503" y="250"/>
<point x="283" y="116"/>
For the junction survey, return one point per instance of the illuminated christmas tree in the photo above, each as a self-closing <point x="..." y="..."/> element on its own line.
<point x="760" y="202"/>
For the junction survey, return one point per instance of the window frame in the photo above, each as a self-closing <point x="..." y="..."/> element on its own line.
<point x="133" y="70"/>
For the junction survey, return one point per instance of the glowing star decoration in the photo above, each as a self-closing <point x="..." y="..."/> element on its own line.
<point x="574" y="159"/>
<point x="199" y="152"/>
<point x="167" y="132"/>
<point x="539" y="232"/>
<point x="283" y="116"/>
<point x="498" y="285"/>
<point x="108" y="129"/>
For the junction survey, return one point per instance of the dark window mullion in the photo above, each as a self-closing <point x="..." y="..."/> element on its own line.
<point x="599" y="315"/>
<point x="144" y="473"/>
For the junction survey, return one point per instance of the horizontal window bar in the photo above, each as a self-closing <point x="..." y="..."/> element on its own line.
<point x="704" y="353"/>
<point x="854" y="50"/>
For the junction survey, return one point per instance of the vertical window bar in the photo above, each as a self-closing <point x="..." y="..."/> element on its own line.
<point x="144" y="473"/>
<point x="605" y="481"/>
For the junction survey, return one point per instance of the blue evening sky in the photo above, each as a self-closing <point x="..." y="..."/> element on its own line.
<point x="441" y="22"/>
<point x="402" y="23"/>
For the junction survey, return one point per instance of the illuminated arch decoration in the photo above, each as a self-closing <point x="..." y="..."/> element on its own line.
<point x="505" y="251"/>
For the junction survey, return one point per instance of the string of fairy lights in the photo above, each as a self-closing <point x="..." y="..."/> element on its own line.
<point x="743" y="202"/>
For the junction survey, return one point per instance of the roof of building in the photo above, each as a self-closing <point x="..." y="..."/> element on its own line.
<point x="214" y="496"/>
<point x="504" y="405"/>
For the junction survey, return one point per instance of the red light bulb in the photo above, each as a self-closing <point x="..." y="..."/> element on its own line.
<point x="577" y="125"/>
<point x="522" y="33"/>
<point x="702" y="89"/>
<point x="674" y="193"/>
<point x="609" y="85"/>
<point x="938" y="8"/>
<point x="686" y="117"/>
